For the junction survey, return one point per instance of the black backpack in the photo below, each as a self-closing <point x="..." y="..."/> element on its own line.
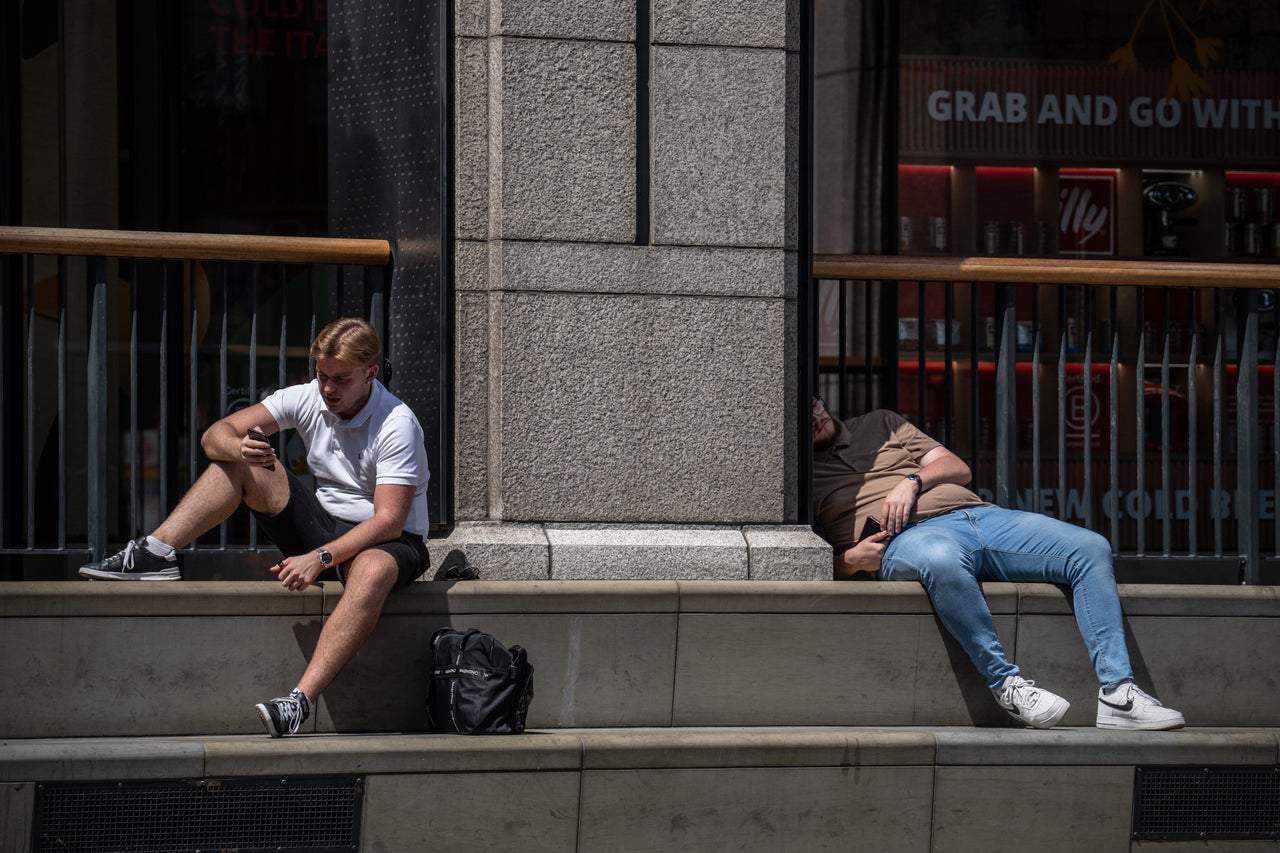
<point x="478" y="686"/>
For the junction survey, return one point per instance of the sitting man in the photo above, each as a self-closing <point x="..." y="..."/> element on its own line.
<point x="892" y="503"/>
<point x="366" y="521"/>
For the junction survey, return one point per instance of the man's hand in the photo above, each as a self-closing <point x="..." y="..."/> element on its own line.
<point x="256" y="449"/>
<point x="298" y="573"/>
<point x="898" y="506"/>
<point x="863" y="557"/>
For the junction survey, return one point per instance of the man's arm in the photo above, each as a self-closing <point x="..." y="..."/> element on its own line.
<point x="391" y="505"/>
<point x="937" y="466"/>
<point x="228" y="440"/>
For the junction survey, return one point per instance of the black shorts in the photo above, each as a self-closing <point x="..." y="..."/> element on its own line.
<point x="304" y="525"/>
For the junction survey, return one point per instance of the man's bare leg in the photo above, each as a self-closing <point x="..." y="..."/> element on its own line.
<point x="369" y="580"/>
<point x="212" y="499"/>
<point x="217" y="493"/>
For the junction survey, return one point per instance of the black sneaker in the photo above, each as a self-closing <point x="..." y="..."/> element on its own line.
<point x="284" y="715"/>
<point x="134" y="563"/>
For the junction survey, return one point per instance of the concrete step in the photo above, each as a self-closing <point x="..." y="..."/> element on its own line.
<point x="183" y="658"/>
<point x="705" y="788"/>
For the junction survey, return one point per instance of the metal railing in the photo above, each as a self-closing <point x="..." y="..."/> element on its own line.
<point x="120" y="348"/>
<point x="1139" y="399"/>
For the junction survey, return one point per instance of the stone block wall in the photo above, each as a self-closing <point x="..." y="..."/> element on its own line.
<point x="626" y="337"/>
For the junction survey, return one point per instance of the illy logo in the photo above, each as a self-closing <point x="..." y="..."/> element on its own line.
<point x="1081" y="217"/>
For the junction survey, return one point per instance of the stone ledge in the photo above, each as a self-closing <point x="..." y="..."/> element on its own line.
<point x="28" y="599"/>
<point x="74" y="759"/>
<point x="576" y="552"/>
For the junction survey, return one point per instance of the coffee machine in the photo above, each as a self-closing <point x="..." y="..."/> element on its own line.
<point x="1167" y="197"/>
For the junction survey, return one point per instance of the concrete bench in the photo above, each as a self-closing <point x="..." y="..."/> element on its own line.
<point x="755" y="788"/>
<point x="190" y="658"/>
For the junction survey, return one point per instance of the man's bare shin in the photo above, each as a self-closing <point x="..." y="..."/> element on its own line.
<point x="351" y="624"/>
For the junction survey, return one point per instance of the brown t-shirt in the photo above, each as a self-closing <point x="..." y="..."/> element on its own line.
<point x="870" y="455"/>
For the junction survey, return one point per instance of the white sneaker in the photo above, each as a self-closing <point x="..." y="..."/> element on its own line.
<point x="1129" y="707"/>
<point x="1030" y="705"/>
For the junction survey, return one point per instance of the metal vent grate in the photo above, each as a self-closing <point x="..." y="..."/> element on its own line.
<point x="1172" y="803"/>
<point x="313" y="813"/>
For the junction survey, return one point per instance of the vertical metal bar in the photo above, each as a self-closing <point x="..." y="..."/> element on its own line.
<point x="193" y="375"/>
<point x="96" y="445"/>
<point x="135" y="501"/>
<point x="31" y="402"/>
<point x="920" y="354"/>
<point x="62" y="401"/>
<point x="254" y="301"/>
<point x="222" y="375"/>
<point x="376" y="276"/>
<point x="1036" y="504"/>
<point x="1166" y="428"/>
<point x="1140" y="411"/>
<point x="868" y="346"/>
<point x="975" y="447"/>
<point x="1113" y="419"/>
<point x="1247" y="442"/>
<point x="948" y="369"/>
<point x="1275" y="438"/>
<point x="1006" y="394"/>
<point x="1062" y="402"/>
<point x="842" y="346"/>
<point x="1087" y="402"/>
<point x="282" y="366"/>
<point x="1219" y="434"/>
<point x="163" y="438"/>
<point x="1193" y="421"/>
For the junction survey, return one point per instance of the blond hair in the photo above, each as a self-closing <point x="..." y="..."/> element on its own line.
<point x="349" y="339"/>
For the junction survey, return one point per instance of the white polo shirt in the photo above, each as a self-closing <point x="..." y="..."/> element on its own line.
<point x="382" y="444"/>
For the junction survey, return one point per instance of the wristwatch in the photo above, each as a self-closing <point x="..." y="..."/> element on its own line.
<point x="326" y="559"/>
<point x="915" y="478"/>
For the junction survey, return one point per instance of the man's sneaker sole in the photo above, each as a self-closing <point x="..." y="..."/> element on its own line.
<point x="265" y="714"/>
<point x="1141" y="726"/>
<point x="172" y="574"/>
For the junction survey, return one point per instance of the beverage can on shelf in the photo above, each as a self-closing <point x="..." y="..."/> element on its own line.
<point x="1042" y="237"/>
<point x="906" y="234"/>
<point x="938" y="233"/>
<point x="1231" y="238"/>
<point x="991" y="237"/>
<point x="1237" y="204"/>
<point x="908" y="333"/>
<point x="1025" y="332"/>
<point x="988" y="333"/>
<point x="1073" y="334"/>
<point x="1017" y="238"/>
<point x="1252" y="239"/>
<point x="1275" y="239"/>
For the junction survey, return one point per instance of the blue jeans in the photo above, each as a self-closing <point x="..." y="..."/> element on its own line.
<point x="950" y="555"/>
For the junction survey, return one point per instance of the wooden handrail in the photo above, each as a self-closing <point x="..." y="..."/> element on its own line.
<point x="191" y="246"/>
<point x="1046" y="271"/>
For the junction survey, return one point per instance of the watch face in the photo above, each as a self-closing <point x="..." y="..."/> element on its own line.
<point x="325" y="557"/>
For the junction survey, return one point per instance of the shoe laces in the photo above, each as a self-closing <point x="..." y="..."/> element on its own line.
<point x="125" y="558"/>
<point x="1020" y="692"/>
<point x="290" y="711"/>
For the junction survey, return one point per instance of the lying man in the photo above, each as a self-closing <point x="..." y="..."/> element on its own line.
<point x="892" y="502"/>
<point x="366" y="522"/>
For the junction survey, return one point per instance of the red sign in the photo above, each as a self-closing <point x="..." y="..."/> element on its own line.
<point x="1087" y="212"/>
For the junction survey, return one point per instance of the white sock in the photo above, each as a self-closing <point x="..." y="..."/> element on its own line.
<point x="158" y="548"/>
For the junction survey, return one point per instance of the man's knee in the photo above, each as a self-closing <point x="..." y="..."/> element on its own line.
<point x="373" y="572"/>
